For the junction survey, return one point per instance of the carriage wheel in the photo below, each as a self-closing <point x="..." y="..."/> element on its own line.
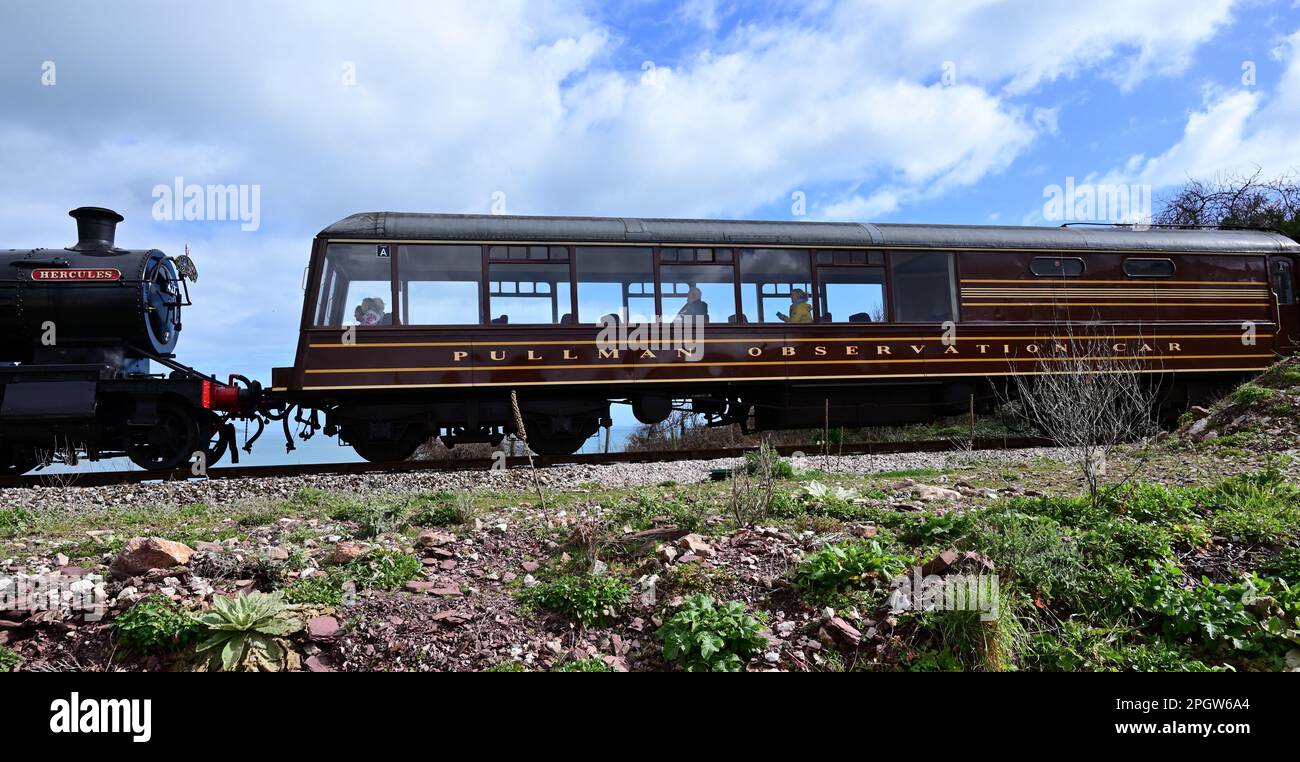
<point x="386" y="451"/>
<point x="15" y="460"/>
<point x="167" y="444"/>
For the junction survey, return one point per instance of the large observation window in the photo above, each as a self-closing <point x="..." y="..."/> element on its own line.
<point x="615" y="280"/>
<point x="923" y="286"/>
<point x="775" y="286"/>
<point x="356" y="286"/>
<point x="440" y="285"/>
<point x="529" y="292"/>
<point x="851" y="294"/>
<point x="708" y="291"/>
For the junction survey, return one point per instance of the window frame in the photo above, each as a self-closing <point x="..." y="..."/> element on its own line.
<point x="1083" y="267"/>
<point x="561" y="309"/>
<point x="660" y="263"/>
<point x="954" y="280"/>
<point x="1173" y="268"/>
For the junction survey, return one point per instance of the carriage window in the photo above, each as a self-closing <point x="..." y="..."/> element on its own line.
<point x="775" y="286"/>
<point x="922" y="285"/>
<point x="356" y="286"/>
<point x="715" y="299"/>
<point x="529" y="293"/>
<point x="1283" y="281"/>
<point x="1056" y="267"/>
<point x="615" y="280"/>
<point x="440" y="285"/>
<point x="851" y="294"/>
<point x="1135" y="267"/>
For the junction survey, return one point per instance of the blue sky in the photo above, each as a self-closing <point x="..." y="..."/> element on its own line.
<point x="920" y="111"/>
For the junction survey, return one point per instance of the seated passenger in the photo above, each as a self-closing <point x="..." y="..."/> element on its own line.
<point x="694" y="304"/>
<point x="504" y="319"/>
<point x="800" y="309"/>
<point x="860" y="317"/>
<point x="367" y="313"/>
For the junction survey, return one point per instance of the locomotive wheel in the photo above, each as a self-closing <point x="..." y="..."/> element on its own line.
<point x="167" y="444"/>
<point x="387" y="451"/>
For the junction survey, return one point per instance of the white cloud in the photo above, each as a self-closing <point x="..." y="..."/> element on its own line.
<point x="454" y="101"/>
<point x="1235" y="131"/>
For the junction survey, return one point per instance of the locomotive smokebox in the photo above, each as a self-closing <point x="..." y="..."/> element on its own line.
<point x="91" y="302"/>
<point x="96" y="228"/>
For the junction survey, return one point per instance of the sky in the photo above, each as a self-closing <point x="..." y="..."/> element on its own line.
<point x="935" y="111"/>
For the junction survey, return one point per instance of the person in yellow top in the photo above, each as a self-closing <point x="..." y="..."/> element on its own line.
<point x="800" y="309"/>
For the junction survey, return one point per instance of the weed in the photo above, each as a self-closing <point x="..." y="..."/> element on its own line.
<point x="937" y="529"/>
<point x="1076" y="646"/>
<point x="9" y="659"/>
<point x="320" y="590"/>
<point x="991" y="645"/>
<point x="1259" y="507"/>
<point x="1250" y="394"/>
<point x="584" y="665"/>
<point x="511" y="665"/>
<point x="246" y="633"/>
<point x="156" y="625"/>
<point x="382" y="570"/>
<point x="1035" y="550"/>
<point x="846" y="565"/>
<point x="766" y="460"/>
<point x="587" y="600"/>
<point x="704" y="637"/>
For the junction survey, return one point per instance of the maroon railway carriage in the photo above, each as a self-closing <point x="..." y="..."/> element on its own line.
<point x="422" y="324"/>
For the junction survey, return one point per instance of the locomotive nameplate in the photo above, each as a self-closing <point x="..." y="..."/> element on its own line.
<point x="77" y="274"/>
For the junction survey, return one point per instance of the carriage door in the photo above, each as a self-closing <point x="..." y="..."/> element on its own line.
<point x="1282" y="275"/>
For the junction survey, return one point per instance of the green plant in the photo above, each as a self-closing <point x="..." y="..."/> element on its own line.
<point x="1258" y="507"/>
<point x="1078" y="647"/>
<point x="442" y="509"/>
<point x="846" y="564"/>
<point x="247" y="633"/>
<point x="992" y="644"/>
<point x="9" y="659"/>
<point x="156" y="624"/>
<point x="511" y="665"/>
<point x="584" y="665"/>
<point x="703" y="637"/>
<point x="585" y="599"/>
<point x="319" y="590"/>
<point x="941" y="528"/>
<point x="766" y="460"/>
<point x="1252" y="615"/>
<point x="1250" y="394"/>
<point x="1035" y="550"/>
<point x="928" y="660"/>
<point x="382" y="570"/>
<point x="14" y="519"/>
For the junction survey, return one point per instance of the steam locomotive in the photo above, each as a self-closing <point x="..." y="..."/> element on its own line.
<point x="82" y="325"/>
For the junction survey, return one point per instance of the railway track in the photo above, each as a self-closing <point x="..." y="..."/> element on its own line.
<point x="103" y="478"/>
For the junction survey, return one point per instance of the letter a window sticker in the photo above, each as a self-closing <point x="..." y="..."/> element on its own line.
<point x="382" y="251"/>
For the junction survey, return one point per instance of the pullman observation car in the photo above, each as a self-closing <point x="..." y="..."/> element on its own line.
<point x="420" y="325"/>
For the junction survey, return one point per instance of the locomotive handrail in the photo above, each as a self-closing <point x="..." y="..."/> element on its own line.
<point x="32" y="264"/>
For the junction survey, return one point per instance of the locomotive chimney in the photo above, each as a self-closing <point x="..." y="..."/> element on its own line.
<point x="96" y="228"/>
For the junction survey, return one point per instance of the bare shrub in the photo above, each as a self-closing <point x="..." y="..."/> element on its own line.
<point x="751" y="493"/>
<point x="1087" y="400"/>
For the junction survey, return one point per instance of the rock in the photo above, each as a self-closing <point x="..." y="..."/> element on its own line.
<point x="928" y="493"/>
<point x="432" y="538"/>
<point x="843" y="631"/>
<point x="141" y="554"/>
<point x="447" y="592"/>
<point x="61" y="560"/>
<point x="278" y="553"/>
<point x="452" y="617"/>
<point x="940" y="563"/>
<point x="210" y="547"/>
<point x="348" y="551"/>
<point x="530" y="581"/>
<point x="447" y="564"/>
<point x="420" y="586"/>
<point x="1198" y="428"/>
<point x="667" y="554"/>
<point x="1199" y="413"/>
<point x="322" y="627"/>
<point x="317" y="663"/>
<point x="531" y="566"/>
<point x="646" y="593"/>
<point x="694" y="543"/>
